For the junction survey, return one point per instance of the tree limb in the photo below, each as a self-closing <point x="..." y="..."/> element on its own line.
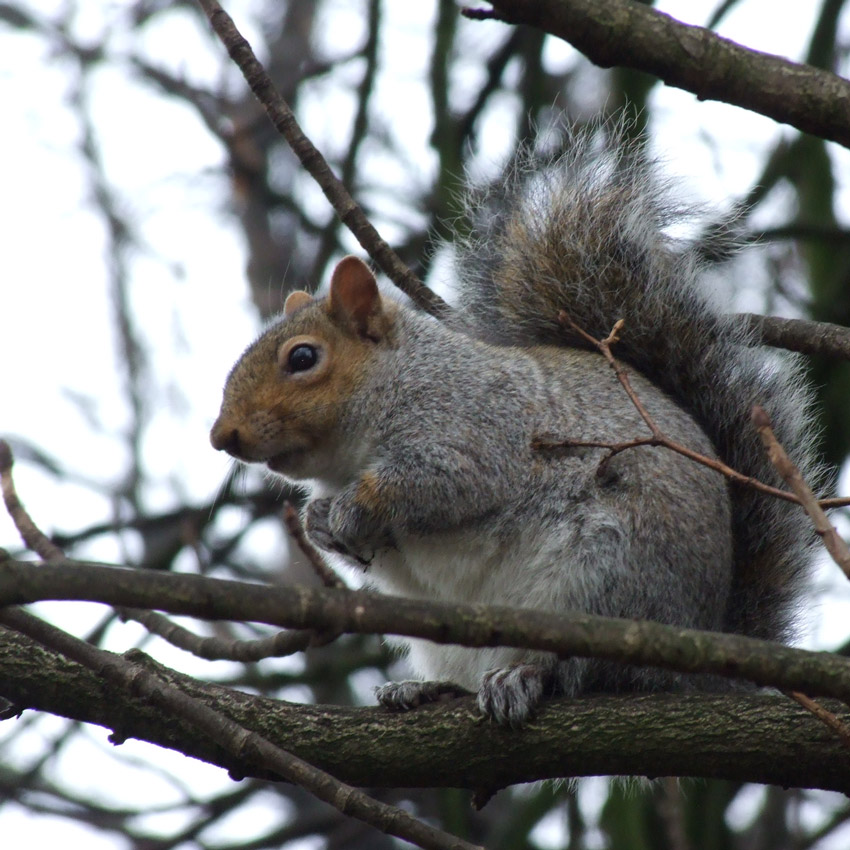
<point x="803" y="335"/>
<point x="337" y="610"/>
<point x="633" y="35"/>
<point x="316" y="165"/>
<point x="755" y="737"/>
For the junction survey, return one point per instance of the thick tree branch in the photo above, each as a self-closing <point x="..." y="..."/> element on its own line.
<point x="633" y="35"/>
<point x="807" y="337"/>
<point x="336" y="610"/>
<point x="758" y="737"/>
<point x="236" y="740"/>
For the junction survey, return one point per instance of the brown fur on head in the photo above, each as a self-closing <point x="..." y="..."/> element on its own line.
<point x="283" y="398"/>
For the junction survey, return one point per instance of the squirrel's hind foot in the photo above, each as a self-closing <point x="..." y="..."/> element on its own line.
<point x="510" y="695"/>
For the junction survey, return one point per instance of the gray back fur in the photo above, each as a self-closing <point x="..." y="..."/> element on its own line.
<point x="585" y="230"/>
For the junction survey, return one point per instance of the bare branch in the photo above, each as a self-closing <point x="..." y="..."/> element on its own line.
<point x="833" y="542"/>
<point x="30" y="533"/>
<point x="314" y="557"/>
<point x="315" y="164"/>
<point x="277" y="645"/>
<point x="743" y="737"/>
<point x="239" y="742"/>
<point x="633" y="35"/>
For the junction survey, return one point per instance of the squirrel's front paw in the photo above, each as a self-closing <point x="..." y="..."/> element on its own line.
<point x="402" y="696"/>
<point x="317" y="524"/>
<point x="319" y="527"/>
<point x="510" y="695"/>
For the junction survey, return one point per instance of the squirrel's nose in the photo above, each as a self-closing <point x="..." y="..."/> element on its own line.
<point x="225" y="437"/>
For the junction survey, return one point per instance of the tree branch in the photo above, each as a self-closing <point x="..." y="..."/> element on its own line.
<point x="754" y="737"/>
<point x="236" y="740"/>
<point x="316" y="165"/>
<point x="633" y="35"/>
<point x="802" y="335"/>
<point x="832" y="540"/>
<point x="335" y="610"/>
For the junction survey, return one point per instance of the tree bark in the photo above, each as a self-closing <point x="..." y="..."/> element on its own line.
<point x="755" y="737"/>
<point x="633" y="35"/>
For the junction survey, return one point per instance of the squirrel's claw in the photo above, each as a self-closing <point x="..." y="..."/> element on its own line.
<point x="403" y="696"/>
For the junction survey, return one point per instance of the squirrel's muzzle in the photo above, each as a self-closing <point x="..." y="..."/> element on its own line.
<point x="224" y="437"/>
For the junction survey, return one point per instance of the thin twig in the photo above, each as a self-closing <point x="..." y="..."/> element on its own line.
<point x="34" y="538"/>
<point x="317" y="561"/>
<point x="619" y="370"/>
<point x="293" y="525"/>
<point x="278" y="645"/>
<point x="833" y="542"/>
<point x="659" y="438"/>
<point x="316" y="165"/>
<point x="826" y="717"/>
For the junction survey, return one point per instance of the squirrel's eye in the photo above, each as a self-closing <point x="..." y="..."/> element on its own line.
<point x="302" y="357"/>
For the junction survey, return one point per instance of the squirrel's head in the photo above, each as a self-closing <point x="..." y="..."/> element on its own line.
<point x="284" y="398"/>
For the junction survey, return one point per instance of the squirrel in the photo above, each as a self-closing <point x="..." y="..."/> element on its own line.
<point x="418" y="440"/>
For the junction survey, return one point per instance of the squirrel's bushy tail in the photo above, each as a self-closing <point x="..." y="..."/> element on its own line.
<point x="586" y="231"/>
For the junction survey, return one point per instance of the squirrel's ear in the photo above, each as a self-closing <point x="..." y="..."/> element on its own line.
<point x="355" y="299"/>
<point x="296" y="300"/>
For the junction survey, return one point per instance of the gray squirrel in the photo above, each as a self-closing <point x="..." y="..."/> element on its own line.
<point x="416" y="438"/>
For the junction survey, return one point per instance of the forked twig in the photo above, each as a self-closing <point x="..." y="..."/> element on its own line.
<point x="659" y="438"/>
<point x="34" y="538"/>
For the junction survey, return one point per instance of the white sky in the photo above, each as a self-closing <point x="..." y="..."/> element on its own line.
<point x="56" y="336"/>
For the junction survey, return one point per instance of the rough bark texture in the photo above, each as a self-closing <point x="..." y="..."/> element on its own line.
<point x="336" y="611"/>
<point x="757" y="737"/>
